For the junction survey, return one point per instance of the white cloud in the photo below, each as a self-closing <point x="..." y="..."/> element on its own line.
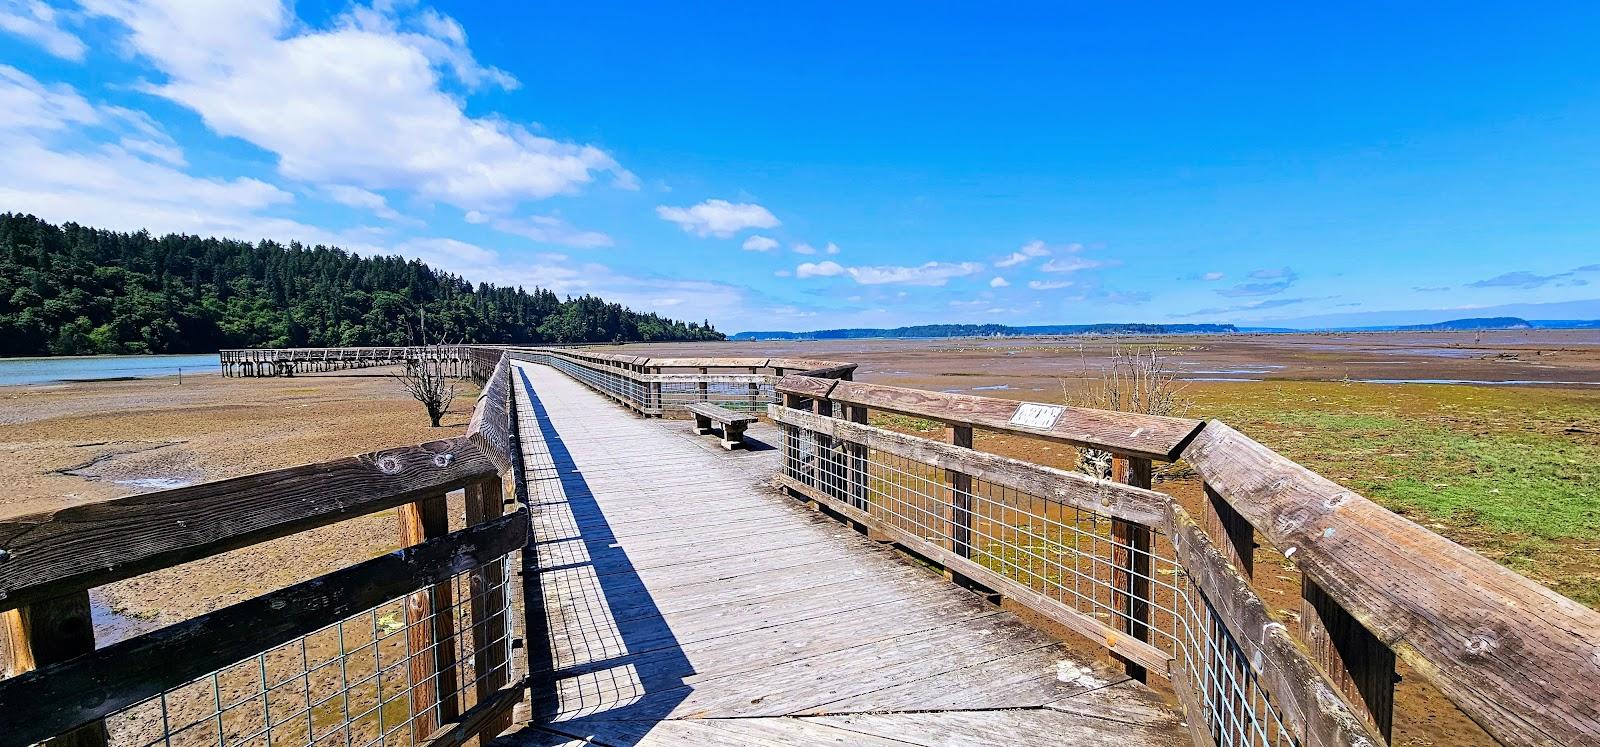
<point x="1212" y="276"/>
<point x="931" y="273"/>
<point x="1028" y="251"/>
<point x="760" y="244"/>
<point x="824" y="269"/>
<point x="1040" y="285"/>
<point x="357" y="197"/>
<point x="718" y="218"/>
<point x="1074" y="264"/>
<point x="360" y="103"/>
<point x="804" y="248"/>
<point x="38" y="23"/>
<point x="111" y="185"/>
<point x="475" y="217"/>
<point x="831" y="248"/>
<point x="552" y="230"/>
<point x="998" y="282"/>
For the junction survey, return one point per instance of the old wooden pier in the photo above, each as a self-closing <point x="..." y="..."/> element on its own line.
<point x="454" y="360"/>
<point x="621" y="580"/>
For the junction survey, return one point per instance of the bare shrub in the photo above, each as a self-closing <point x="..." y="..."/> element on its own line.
<point x="426" y="381"/>
<point x="1136" y="381"/>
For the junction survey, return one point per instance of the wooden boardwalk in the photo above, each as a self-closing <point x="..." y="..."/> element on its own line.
<point x="689" y="603"/>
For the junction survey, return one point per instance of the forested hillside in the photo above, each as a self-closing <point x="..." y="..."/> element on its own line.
<point x="72" y="290"/>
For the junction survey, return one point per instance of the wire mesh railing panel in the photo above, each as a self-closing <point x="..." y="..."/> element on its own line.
<point x="1069" y="555"/>
<point x="352" y="684"/>
<point x="1236" y="709"/>
<point x="740" y="397"/>
<point x="1073" y="557"/>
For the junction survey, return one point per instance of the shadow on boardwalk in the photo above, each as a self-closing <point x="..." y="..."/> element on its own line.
<point x="609" y="626"/>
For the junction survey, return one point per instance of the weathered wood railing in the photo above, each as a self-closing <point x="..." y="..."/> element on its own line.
<point x="664" y="386"/>
<point x="417" y="643"/>
<point x="1128" y="568"/>
<point x="259" y="362"/>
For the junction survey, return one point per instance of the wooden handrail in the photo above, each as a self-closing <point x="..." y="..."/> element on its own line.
<point x="55" y="699"/>
<point x="1516" y="657"/>
<point x="1132" y="434"/>
<point x="1071" y="489"/>
<point x="54" y="553"/>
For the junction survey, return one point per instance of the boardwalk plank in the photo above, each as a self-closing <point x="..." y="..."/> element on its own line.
<point x="688" y="603"/>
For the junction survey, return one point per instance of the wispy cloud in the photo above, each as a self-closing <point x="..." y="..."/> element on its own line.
<point x="1264" y="282"/>
<point x="1430" y="288"/>
<point x="1044" y="285"/>
<point x="1029" y="251"/>
<point x="552" y="230"/>
<point x="38" y="22"/>
<point x="1265" y="303"/>
<point x="1212" y="277"/>
<point x="759" y="244"/>
<point x="1524" y="279"/>
<point x="1074" y="264"/>
<point x="718" y="218"/>
<point x="929" y="274"/>
<point x="998" y="282"/>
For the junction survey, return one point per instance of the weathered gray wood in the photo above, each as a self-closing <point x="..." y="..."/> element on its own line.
<point x="1312" y="710"/>
<point x="1474" y="629"/>
<point x="720" y="414"/>
<point x="489" y="716"/>
<point x="1074" y="489"/>
<point x="1032" y="727"/>
<point x="1231" y="532"/>
<point x="1131" y="434"/>
<point x="490" y="426"/>
<point x="430" y="623"/>
<point x="485" y="502"/>
<point x="1360" y="666"/>
<point x="1114" y="640"/>
<point x="1130" y="560"/>
<point x="641" y="654"/>
<point x="73" y="549"/>
<point x="61" y="696"/>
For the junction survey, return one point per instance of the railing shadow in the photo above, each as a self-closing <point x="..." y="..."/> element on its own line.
<point x="612" y="655"/>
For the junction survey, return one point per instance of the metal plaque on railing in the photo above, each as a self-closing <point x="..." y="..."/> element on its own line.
<point x="1030" y="415"/>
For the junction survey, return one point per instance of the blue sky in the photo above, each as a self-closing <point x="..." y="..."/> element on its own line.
<point x="820" y="166"/>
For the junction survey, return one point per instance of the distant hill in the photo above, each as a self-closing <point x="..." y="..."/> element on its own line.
<point x="991" y="330"/>
<point x="73" y="290"/>
<point x="1479" y="324"/>
<point x="1001" y="330"/>
<point x="1468" y="325"/>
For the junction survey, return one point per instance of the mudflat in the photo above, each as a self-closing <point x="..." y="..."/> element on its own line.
<point x="69" y="444"/>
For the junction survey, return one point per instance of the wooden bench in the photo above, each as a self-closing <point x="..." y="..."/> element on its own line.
<point x="733" y="423"/>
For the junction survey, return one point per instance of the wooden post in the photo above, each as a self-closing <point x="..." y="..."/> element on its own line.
<point x="1355" y="660"/>
<point x="857" y="478"/>
<point x="1231" y="532"/>
<point x="48" y="632"/>
<point x="1130" y="561"/>
<point x="822" y="466"/>
<point x="703" y="394"/>
<point x="655" y="395"/>
<point x="755" y="393"/>
<point x="430" y="625"/>
<point x="491" y="629"/>
<point x="960" y="503"/>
